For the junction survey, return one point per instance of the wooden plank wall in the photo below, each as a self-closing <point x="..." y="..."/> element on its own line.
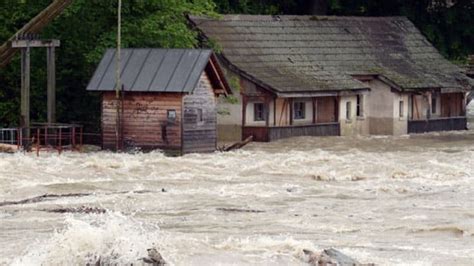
<point x="144" y="116"/>
<point x="440" y="124"/>
<point x="200" y="136"/>
<point x="328" y="129"/>
<point x="452" y="104"/>
<point x="326" y="109"/>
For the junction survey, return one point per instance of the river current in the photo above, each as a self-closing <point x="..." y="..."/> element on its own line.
<point x="405" y="200"/>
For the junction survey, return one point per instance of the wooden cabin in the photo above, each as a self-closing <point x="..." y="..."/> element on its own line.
<point x="168" y="99"/>
<point x="324" y="75"/>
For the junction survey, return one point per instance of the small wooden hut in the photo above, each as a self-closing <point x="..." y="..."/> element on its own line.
<point x="168" y="99"/>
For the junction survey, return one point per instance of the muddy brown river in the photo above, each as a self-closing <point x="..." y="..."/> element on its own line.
<point x="405" y="200"/>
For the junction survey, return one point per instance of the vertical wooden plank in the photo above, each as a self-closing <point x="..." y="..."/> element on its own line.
<point x="25" y="92"/>
<point x="429" y="95"/>
<point x="267" y="110"/>
<point x="290" y="102"/>
<point x="274" y="111"/>
<point x="244" y="109"/>
<point x="51" y="94"/>
<point x="313" y="100"/>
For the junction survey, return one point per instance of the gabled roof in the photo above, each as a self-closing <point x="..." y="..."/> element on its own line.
<point x="152" y="70"/>
<point x="290" y="54"/>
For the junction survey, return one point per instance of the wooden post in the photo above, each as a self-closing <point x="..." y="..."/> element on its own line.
<point x="73" y="137"/>
<point x="428" y="115"/>
<point x="267" y="110"/>
<point x="25" y="90"/>
<point x="37" y="141"/>
<point x="118" y="70"/>
<point x="51" y="65"/>
<point x="274" y="112"/>
<point x="313" y="100"/>
<point x="290" y="102"/>
<point x="60" y="140"/>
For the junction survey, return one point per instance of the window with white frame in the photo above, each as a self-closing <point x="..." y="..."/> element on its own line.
<point x="299" y="109"/>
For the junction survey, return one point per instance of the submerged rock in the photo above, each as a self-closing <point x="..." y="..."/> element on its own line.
<point x="329" y="257"/>
<point x="154" y="258"/>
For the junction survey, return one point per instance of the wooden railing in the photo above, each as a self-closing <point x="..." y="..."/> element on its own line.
<point x="265" y="134"/>
<point x="437" y="124"/>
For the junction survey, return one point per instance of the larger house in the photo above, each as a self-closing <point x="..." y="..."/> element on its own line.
<point x="168" y="99"/>
<point x="323" y="75"/>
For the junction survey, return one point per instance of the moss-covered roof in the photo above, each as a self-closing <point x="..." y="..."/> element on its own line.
<point x="308" y="53"/>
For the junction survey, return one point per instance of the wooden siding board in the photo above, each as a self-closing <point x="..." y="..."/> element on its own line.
<point x="144" y="116"/>
<point x="200" y="136"/>
<point x="442" y="124"/>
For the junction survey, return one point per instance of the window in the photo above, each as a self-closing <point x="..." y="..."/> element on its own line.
<point x="360" y="105"/>
<point x="171" y="115"/>
<point x="401" y="109"/>
<point x="348" y="111"/>
<point x="258" y="112"/>
<point x="199" y="118"/>
<point x="433" y="104"/>
<point x="299" y="109"/>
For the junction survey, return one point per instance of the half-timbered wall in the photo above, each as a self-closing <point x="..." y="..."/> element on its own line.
<point x="199" y="118"/>
<point x="144" y="121"/>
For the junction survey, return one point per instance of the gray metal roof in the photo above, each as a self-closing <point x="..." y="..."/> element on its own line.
<point x="312" y="53"/>
<point x="153" y="70"/>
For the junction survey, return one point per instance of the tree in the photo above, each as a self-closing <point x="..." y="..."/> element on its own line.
<point x="86" y="29"/>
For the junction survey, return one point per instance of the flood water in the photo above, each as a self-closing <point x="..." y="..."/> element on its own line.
<point x="388" y="200"/>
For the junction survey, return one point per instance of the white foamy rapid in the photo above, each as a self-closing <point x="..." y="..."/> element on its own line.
<point x="387" y="200"/>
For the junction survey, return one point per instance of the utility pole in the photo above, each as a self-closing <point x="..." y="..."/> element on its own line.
<point x="118" y="83"/>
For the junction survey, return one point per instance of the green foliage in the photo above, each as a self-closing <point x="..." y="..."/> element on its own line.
<point x="88" y="27"/>
<point x="234" y="83"/>
<point x="212" y="44"/>
<point x="232" y="99"/>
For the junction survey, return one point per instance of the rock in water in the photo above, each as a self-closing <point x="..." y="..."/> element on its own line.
<point x="331" y="257"/>
<point x="154" y="258"/>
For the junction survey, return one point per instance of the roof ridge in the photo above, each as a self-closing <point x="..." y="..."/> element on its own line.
<point x="246" y="17"/>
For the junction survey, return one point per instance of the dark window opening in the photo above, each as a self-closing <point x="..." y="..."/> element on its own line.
<point x="433" y="104"/>
<point x="259" y="112"/>
<point x="299" y="110"/>
<point x="199" y="117"/>
<point x="348" y="110"/>
<point x="401" y="110"/>
<point x="360" y="105"/>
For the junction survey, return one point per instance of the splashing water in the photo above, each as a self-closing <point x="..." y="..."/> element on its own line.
<point x="387" y="200"/>
<point x="111" y="239"/>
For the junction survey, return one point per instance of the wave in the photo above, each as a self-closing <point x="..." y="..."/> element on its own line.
<point x="112" y="239"/>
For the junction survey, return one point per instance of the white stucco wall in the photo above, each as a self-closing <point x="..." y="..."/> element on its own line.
<point x="355" y="125"/>
<point x="400" y="122"/>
